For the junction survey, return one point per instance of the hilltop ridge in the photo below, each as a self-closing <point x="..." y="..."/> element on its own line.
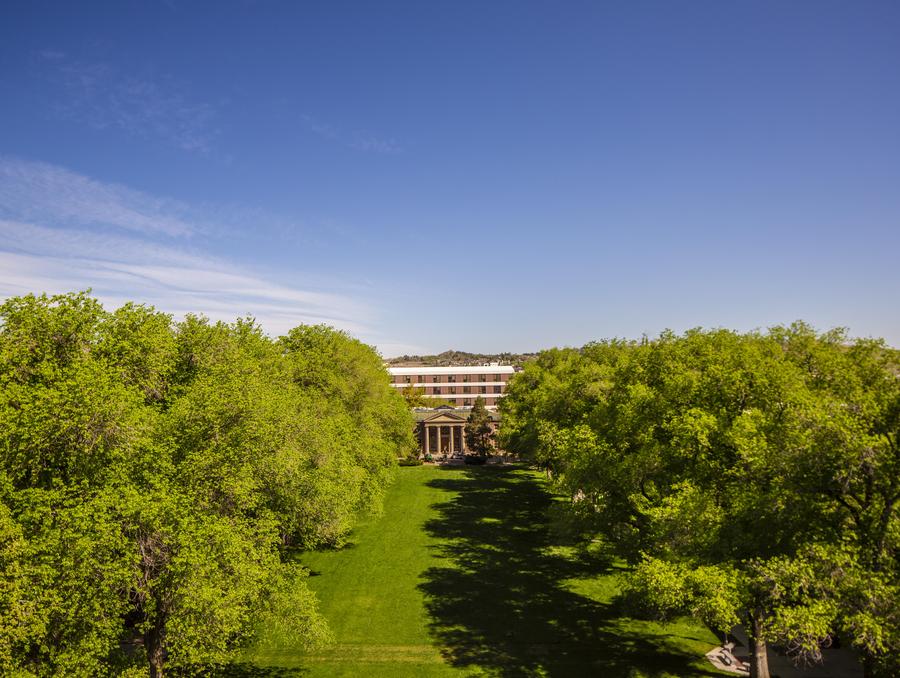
<point x="460" y="358"/>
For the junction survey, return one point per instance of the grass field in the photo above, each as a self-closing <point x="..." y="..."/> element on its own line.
<point x="462" y="576"/>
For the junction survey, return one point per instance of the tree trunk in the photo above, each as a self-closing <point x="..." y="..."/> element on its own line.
<point x="759" y="658"/>
<point x="153" y="642"/>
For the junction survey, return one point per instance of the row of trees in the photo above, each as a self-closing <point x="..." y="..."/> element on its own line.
<point x="157" y="475"/>
<point x="749" y="478"/>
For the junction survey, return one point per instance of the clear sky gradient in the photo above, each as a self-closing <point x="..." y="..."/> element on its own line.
<point x="483" y="176"/>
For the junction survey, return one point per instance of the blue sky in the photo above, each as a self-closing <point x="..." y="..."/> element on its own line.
<point x="481" y="176"/>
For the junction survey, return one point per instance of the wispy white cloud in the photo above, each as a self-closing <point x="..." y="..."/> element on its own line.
<point x="42" y="193"/>
<point x="61" y="231"/>
<point x="51" y="54"/>
<point x="41" y="259"/>
<point x="358" y="140"/>
<point x="102" y="96"/>
<point x="372" y="144"/>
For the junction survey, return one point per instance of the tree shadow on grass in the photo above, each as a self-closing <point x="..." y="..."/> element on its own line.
<point x="502" y="606"/>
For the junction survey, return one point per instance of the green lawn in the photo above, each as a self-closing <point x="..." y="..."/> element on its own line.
<point x="462" y="576"/>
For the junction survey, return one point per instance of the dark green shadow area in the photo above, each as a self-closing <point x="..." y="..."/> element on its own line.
<point x="511" y="601"/>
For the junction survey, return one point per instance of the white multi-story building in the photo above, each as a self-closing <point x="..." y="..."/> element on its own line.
<point x="459" y="386"/>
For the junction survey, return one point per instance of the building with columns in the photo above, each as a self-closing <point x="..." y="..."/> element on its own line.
<point x="441" y="430"/>
<point x="458" y="386"/>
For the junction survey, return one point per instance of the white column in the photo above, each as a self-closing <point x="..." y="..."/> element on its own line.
<point x="427" y="439"/>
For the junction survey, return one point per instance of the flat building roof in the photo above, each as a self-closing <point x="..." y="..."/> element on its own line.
<point x="477" y="369"/>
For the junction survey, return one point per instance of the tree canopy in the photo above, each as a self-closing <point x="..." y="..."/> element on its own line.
<point x="478" y="429"/>
<point x="748" y="478"/>
<point x="155" y="476"/>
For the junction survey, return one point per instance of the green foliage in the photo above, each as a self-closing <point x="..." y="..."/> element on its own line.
<point x="291" y="615"/>
<point x="65" y="565"/>
<point x="154" y="473"/>
<point x="410" y="461"/>
<point x="478" y="429"/>
<point x="668" y="589"/>
<point x="415" y="397"/>
<point x="659" y="587"/>
<point x="769" y="460"/>
<point x="803" y="614"/>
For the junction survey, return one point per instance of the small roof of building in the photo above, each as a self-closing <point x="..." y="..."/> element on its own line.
<point x="477" y="369"/>
<point x="424" y="413"/>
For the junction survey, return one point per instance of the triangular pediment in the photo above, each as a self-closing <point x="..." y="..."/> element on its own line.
<point x="445" y="418"/>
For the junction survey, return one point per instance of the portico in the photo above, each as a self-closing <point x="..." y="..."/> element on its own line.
<point x="444" y="433"/>
<point x="442" y="430"/>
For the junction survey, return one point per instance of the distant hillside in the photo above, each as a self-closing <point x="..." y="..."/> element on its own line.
<point x="460" y="358"/>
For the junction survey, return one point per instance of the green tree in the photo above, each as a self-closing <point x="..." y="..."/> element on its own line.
<point x="854" y="464"/>
<point x="479" y="430"/>
<point x="156" y="475"/>
<point x="69" y="428"/>
<point x="371" y="424"/>
<point x="415" y="397"/>
<point x="752" y="459"/>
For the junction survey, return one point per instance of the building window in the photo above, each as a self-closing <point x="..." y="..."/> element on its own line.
<point x="481" y="377"/>
<point x="465" y="377"/>
<point x="420" y="379"/>
<point x="483" y="389"/>
<point x="467" y="389"/>
<point x="408" y="380"/>
<point x="495" y="377"/>
<point x="467" y="401"/>
<point x="497" y="389"/>
<point x="451" y="378"/>
<point x="435" y="380"/>
<point x="436" y="390"/>
<point x="453" y="389"/>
